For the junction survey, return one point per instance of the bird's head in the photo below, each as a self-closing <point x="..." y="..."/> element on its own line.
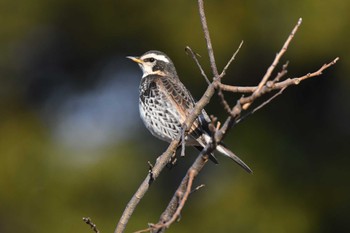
<point x="155" y="63"/>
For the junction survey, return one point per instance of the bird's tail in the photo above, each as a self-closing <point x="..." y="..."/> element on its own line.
<point x="223" y="150"/>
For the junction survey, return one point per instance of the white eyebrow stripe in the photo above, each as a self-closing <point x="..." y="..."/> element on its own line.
<point x="156" y="56"/>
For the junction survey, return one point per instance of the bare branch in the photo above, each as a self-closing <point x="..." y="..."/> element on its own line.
<point x="183" y="198"/>
<point x="223" y="101"/>
<point x="282" y="73"/>
<point x="207" y="39"/>
<point x="193" y="55"/>
<point x="143" y="188"/>
<point x="171" y="211"/>
<point x="198" y="188"/>
<point x="269" y="100"/>
<point x="297" y="80"/>
<point x="278" y="85"/>
<point x="223" y="73"/>
<point x="237" y="89"/>
<point x="174" y="205"/>
<point x="145" y="230"/>
<point x="261" y="105"/>
<point x="278" y="56"/>
<point x="91" y="224"/>
<point x="178" y="200"/>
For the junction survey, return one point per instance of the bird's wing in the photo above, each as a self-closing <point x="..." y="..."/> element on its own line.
<point x="178" y="93"/>
<point x="182" y="99"/>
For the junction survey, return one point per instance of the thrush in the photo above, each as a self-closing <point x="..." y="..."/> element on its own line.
<point x="165" y="103"/>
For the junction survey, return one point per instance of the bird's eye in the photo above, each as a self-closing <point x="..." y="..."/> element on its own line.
<point x="151" y="59"/>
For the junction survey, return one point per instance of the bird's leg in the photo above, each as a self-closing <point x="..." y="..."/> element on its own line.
<point x="213" y="126"/>
<point x="173" y="159"/>
<point x="150" y="170"/>
<point x="183" y="139"/>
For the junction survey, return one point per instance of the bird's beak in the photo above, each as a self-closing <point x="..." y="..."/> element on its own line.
<point x="135" y="59"/>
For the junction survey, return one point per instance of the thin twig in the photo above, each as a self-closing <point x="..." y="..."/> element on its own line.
<point x="297" y="80"/>
<point x="198" y="188"/>
<point x="207" y="39"/>
<point x="281" y="84"/>
<point x="268" y="101"/>
<point x="145" y="230"/>
<point x="223" y="101"/>
<point x="183" y="198"/>
<point x="282" y="73"/>
<point x="173" y="205"/>
<point x="260" y="106"/>
<point x="194" y="57"/>
<point x="278" y="56"/>
<point x="275" y="62"/>
<point x="162" y="161"/>
<point x="223" y="73"/>
<point x="91" y="224"/>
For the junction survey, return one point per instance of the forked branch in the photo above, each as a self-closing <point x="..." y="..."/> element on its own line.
<point x="278" y="85"/>
<point x="266" y="85"/>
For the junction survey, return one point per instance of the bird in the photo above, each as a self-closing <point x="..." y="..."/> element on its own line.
<point x="165" y="103"/>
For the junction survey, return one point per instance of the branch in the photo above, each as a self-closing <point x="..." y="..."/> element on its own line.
<point x="162" y="161"/>
<point x="207" y="39"/>
<point x="194" y="57"/>
<point x="177" y="202"/>
<point x="180" y="197"/>
<point x="261" y="105"/>
<point x="278" y="56"/>
<point x="279" y="85"/>
<point x="223" y="73"/>
<point x="223" y="101"/>
<point x="275" y="61"/>
<point x="91" y="224"/>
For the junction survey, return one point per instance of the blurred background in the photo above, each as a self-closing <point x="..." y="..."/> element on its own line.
<point x="72" y="144"/>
